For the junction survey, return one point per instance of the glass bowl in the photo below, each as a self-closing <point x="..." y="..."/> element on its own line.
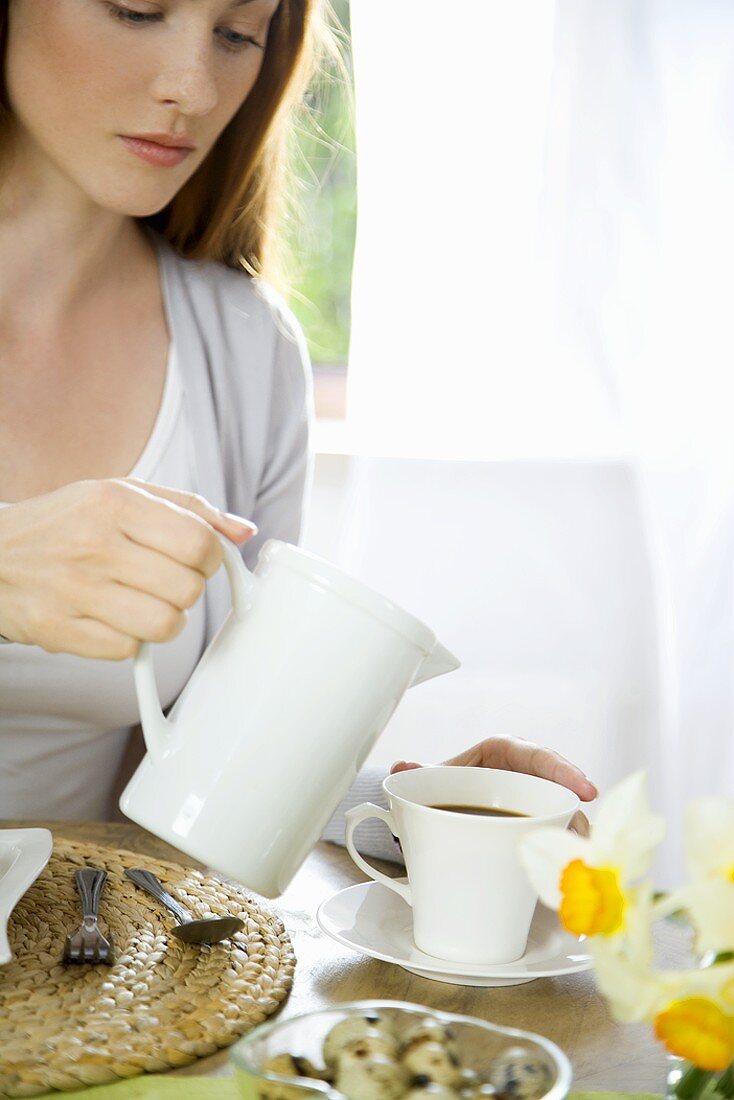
<point x="478" y="1043"/>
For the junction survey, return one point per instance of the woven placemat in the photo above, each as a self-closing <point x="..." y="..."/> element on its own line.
<point x="161" y="1004"/>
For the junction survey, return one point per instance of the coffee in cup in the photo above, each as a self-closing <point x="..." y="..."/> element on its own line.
<point x="459" y="829"/>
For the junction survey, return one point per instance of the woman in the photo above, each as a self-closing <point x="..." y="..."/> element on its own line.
<point x="153" y="388"/>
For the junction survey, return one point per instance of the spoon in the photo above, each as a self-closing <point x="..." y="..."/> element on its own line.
<point x="208" y="930"/>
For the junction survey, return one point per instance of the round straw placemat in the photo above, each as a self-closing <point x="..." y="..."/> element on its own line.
<point x="161" y="1004"/>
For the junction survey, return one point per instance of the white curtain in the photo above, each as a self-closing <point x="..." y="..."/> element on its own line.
<point x="544" y="269"/>
<point x="446" y="335"/>
<point x="640" y="220"/>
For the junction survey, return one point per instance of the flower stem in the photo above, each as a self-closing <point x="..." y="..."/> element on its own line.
<point x="725" y="1084"/>
<point x="692" y="1083"/>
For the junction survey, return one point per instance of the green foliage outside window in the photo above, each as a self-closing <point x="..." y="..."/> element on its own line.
<point x="320" y="239"/>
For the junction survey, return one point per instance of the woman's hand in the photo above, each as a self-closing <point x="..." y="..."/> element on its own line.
<point x="513" y="754"/>
<point x="97" y="567"/>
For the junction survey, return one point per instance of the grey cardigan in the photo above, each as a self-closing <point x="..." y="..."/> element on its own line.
<point x="245" y="371"/>
<point x="245" y="368"/>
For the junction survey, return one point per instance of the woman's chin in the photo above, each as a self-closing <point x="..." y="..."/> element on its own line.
<point x="134" y="202"/>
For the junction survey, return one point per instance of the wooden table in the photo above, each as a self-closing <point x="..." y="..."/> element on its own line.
<point x="605" y="1055"/>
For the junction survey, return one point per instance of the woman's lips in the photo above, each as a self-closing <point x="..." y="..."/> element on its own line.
<point x="163" y="156"/>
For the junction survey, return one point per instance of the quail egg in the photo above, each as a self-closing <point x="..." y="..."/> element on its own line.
<point x="285" y="1065"/>
<point x="354" y="1027"/>
<point x="422" y="1088"/>
<point x="482" y="1090"/>
<point x="520" y="1074"/>
<point x="433" y="1060"/>
<point x="367" y="1049"/>
<point x="470" y="1080"/>
<point x="380" y="1078"/>
<point x="430" y="1030"/>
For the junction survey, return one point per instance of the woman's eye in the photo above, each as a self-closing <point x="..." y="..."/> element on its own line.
<point x="129" y="15"/>
<point x="230" y="39"/>
<point x="237" y="41"/>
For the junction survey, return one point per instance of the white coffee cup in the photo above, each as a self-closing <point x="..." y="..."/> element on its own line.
<point x="472" y="901"/>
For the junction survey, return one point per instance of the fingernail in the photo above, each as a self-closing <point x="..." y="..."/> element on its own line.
<point x="240" y="522"/>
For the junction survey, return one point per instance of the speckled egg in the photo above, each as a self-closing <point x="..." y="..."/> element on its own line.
<point x="379" y="1078"/>
<point x="481" y="1090"/>
<point x="433" y="1031"/>
<point x="286" y="1065"/>
<point x="354" y="1027"/>
<point x="470" y="1080"/>
<point x="520" y="1074"/>
<point x="434" y="1061"/>
<point x="375" y="1046"/>
<point x="422" y="1088"/>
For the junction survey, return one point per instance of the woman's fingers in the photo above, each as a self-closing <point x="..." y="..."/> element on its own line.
<point x="149" y="571"/>
<point x="89" y="638"/>
<point x="514" y="754"/>
<point x="163" y="525"/>
<point x="129" y="611"/>
<point x="234" y="527"/>
<point x="97" y="566"/>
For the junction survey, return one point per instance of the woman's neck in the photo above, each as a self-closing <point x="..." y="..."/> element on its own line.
<point x="56" y="244"/>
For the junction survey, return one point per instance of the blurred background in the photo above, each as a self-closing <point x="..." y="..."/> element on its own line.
<point x="514" y="265"/>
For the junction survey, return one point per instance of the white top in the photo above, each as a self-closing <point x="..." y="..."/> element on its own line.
<point x="65" y="720"/>
<point x="233" y="425"/>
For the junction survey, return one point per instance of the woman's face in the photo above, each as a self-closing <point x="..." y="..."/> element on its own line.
<point x="82" y="75"/>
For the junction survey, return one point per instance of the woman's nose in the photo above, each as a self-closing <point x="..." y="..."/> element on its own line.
<point x="186" y="79"/>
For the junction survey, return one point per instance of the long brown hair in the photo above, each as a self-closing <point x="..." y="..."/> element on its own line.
<point x="231" y="207"/>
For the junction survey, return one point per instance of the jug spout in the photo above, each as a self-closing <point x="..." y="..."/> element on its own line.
<point x="435" y="663"/>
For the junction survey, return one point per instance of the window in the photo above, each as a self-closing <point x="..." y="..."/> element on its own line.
<point x="320" y="240"/>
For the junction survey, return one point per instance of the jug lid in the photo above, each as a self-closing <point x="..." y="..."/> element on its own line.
<point x="350" y="589"/>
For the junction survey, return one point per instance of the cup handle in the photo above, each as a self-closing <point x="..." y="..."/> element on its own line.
<point x="353" y="818"/>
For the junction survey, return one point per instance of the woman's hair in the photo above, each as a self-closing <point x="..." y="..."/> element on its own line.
<point x="230" y="208"/>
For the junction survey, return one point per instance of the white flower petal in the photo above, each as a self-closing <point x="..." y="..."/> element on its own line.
<point x="634" y="992"/>
<point x="710" y="836"/>
<point x="626" y="831"/>
<point x="714" y="982"/>
<point x="544" y="854"/>
<point x="711" y="906"/>
<point x="638" y="945"/>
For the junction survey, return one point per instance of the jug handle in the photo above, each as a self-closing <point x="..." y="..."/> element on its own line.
<point x="156" y="727"/>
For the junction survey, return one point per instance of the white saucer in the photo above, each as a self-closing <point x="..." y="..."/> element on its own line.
<point x="373" y="920"/>
<point x="23" y="855"/>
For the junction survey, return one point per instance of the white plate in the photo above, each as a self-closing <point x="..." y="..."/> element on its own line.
<point x="23" y="855"/>
<point x="373" y="920"/>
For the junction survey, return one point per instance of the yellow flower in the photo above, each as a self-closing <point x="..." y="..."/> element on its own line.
<point x="592" y="901"/>
<point x="587" y="880"/>
<point x="696" y="1029"/>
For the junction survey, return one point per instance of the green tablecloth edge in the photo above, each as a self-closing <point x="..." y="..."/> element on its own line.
<point x="163" y="1087"/>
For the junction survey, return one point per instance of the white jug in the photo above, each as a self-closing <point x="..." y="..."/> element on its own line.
<point x="277" y="717"/>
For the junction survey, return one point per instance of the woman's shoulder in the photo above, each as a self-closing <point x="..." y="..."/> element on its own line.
<point x="244" y="306"/>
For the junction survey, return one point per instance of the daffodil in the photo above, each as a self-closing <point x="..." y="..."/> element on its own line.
<point x="697" y="1029"/>
<point x="589" y="880"/>
<point x="595" y="884"/>
<point x="709" y="898"/>
<point x="636" y="991"/>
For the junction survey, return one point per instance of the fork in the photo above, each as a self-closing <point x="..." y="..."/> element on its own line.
<point x="88" y="945"/>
